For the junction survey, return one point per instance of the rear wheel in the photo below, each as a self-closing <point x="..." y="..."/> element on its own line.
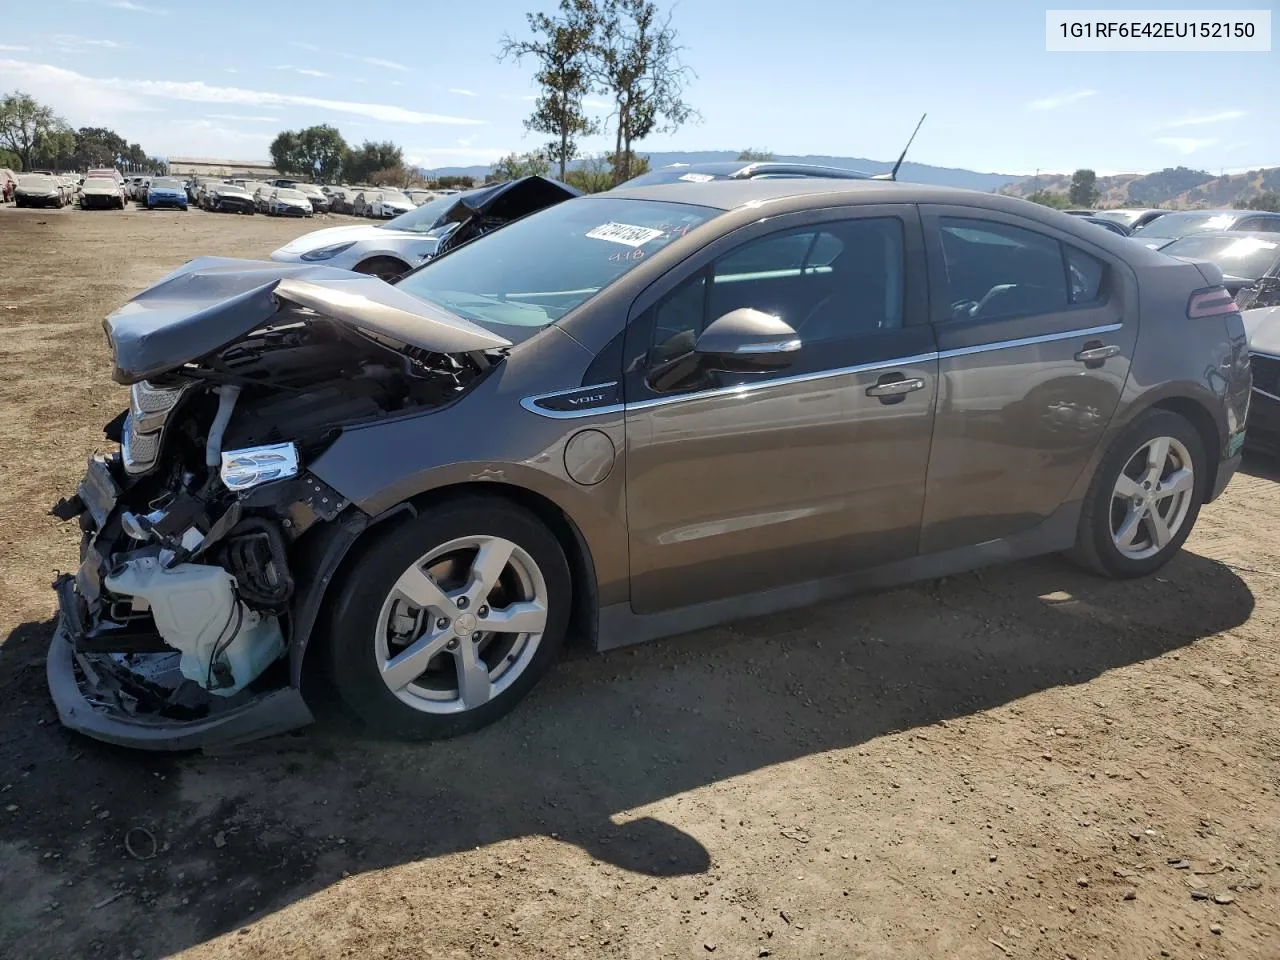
<point x="385" y="268"/>
<point x="1145" y="497"/>
<point x="446" y="623"/>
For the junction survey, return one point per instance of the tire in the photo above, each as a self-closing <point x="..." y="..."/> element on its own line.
<point x="385" y="268"/>
<point x="432" y="705"/>
<point x="1106" y="510"/>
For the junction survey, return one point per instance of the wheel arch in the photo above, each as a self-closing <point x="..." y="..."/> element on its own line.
<point x="347" y="539"/>
<point x="1206" y="425"/>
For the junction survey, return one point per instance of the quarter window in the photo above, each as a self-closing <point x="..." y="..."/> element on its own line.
<point x="997" y="271"/>
<point x="1084" y="276"/>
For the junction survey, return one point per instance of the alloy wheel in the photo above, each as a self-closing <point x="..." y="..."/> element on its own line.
<point x="1151" y="498"/>
<point x="461" y="624"/>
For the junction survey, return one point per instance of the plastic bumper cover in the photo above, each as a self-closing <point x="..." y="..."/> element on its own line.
<point x="271" y="713"/>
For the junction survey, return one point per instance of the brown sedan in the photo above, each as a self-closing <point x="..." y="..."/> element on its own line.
<point x="626" y="415"/>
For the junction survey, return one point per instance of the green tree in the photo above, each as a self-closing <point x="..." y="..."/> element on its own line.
<point x="1051" y="198"/>
<point x="592" y="175"/>
<point x="56" y="148"/>
<point x="321" y="151"/>
<point x="753" y="155"/>
<point x="361" y="163"/>
<point x="1266" y="200"/>
<point x="286" y="152"/>
<point x="562" y="47"/>
<point x="636" y="59"/>
<point x="1083" y="191"/>
<point x="24" y="124"/>
<point x="99" y="147"/>
<point x="513" y="166"/>
<point x="453" y="183"/>
<point x="11" y="160"/>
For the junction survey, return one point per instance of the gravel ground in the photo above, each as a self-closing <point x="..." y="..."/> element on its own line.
<point x="1023" y="762"/>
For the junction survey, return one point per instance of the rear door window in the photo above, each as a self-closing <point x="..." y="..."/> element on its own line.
<point x="998" y="271"/>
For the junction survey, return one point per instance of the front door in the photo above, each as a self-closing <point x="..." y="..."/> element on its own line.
<point x="741" y="482"/>
<point x="1035" y="331"/>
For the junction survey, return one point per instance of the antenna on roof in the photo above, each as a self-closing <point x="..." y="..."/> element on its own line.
<point x="893" y="174"/>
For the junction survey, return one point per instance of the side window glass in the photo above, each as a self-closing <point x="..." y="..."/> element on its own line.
<point x="833" y="281"/>
<point x="997" y="271"/>
<point x="1084" y="274"/>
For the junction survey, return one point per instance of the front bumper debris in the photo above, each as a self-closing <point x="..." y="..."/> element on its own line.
<point x="89" y="703"/>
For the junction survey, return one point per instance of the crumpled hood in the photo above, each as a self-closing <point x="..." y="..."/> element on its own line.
<point x="333" y="235"/>
<point x="1263" y="327"/>
<point x="212" y="301"/>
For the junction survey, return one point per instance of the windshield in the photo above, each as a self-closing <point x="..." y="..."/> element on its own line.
<point x="532" y="272"/>
<point x="1124" y="217"/>
<point x="289" y="195"/>
<point x="422" y="219"/>
<point x="167" y="183"/>
<point x="99" y="183"/>
<point x="1180" y="224"/>
<point x="394" y="196"/>
<point x="35" y="180"/>
<point x="1245" y="257"/>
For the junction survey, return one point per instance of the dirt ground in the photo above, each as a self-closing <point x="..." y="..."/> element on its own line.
<point x="1023" y="762"/>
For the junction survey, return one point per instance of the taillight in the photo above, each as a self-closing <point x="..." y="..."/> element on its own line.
<point x="1211" y="302"/>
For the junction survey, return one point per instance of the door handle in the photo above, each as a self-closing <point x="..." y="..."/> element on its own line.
<point x="1095" y="353"/>
<point x="895" y="387"/>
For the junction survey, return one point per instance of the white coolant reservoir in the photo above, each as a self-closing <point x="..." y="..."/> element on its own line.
<point x="197" y="613"/>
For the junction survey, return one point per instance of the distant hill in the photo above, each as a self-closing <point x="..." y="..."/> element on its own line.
<point x="914" y="172"/>
<point x="1176" y="187"/>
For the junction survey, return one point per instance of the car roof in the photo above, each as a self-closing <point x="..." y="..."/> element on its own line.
<point x="1270" y="237"/>
<point x="731" y="194"/>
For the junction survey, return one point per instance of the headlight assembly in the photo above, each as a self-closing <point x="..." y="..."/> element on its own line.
<point x="327" y="253"/>
<point x="251" y="466"/>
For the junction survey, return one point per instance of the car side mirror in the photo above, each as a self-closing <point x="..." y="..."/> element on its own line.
<point x="747" y="339"/>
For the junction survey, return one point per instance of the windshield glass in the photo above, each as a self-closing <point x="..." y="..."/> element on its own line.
<point x="1180" y="224"/>
<point x="535" y="270"/>
<point x="168" y="183"/>
<point x="394" y="196"/>
<point x="1245" y="257"/>
<point x="289" y="195"/>
<point x="99" y="183"/>
<point x="35" y="180"/>
<point x="422" y="219"/>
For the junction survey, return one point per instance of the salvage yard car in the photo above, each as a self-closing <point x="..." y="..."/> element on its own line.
<point x="382" y="204"/>
<point x="318" y="198"/>
<point x="39" y="190"/>
<point x="228" y="198"/>
<point x="287" y="202"/>
<point x="627" y="415"/>
<point x="166" y="192"/>
<point x="1171" y="226"/>
<point x="101" y="192"/>
<point x="389" y="249"/>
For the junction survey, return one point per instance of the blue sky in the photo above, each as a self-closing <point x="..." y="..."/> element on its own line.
<point x="809" y="76"/>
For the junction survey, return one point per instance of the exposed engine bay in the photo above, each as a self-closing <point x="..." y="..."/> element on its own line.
<point x="183" y="604"/>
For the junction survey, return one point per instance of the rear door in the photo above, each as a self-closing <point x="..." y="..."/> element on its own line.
<point x="1035" y="330"/>
<point x="738" y="483"/>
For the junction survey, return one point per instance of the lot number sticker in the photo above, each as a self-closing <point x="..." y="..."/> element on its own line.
<point x="698" y="177"/>
<point x="624" y="233"/>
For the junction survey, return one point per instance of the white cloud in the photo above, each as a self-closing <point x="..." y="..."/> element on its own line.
<point x="452" y="156"/>
<point x="80" y="96"/>
<point x="10" y="48"/>
<point x="244" y="117"/>
<point x="305" y="71"/>
<point x="463" y="93"/>
<point x="70" y="41"/>
<point x="207" y="129"/>
<point x="1195" y="121"/>
<point x="1061" y="100"/>
<point x="377" y="62"/>
<point x="592" y="104"/>
<point x="1185" y="145"/>
<point x="304" y="46"/>
<point x="128" y="5"/>
<point x="230" y="70"/>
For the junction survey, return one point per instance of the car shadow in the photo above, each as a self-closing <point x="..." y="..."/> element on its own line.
<point x="602" y="739"/>
<point x="1262" y="466"/>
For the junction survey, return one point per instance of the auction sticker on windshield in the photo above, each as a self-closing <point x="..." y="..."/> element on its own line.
<point x="698" y="177"/>
<point x="624" y="233"/>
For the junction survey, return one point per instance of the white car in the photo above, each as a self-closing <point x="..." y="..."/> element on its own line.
<point x="319" y="199"/>
<point x="382" y="204"/>
<point x="383" y="249"/>
<point x="391" y="249"/>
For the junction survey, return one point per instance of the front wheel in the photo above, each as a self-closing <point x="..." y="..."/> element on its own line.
<point x="447" y="622"/>
<point x="1145" y="497"/>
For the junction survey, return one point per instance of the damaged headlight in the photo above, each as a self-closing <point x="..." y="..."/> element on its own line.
<point x="251" y="466"/>
<point x="150" y="405"/>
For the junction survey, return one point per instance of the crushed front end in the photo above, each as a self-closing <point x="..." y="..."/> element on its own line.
<point x="206" y="544"/>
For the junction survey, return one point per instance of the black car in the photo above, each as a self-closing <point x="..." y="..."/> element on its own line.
<point x="740" y="170"/>
<point x="1250" y="265"/>
<point x="1105" y="224"/>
